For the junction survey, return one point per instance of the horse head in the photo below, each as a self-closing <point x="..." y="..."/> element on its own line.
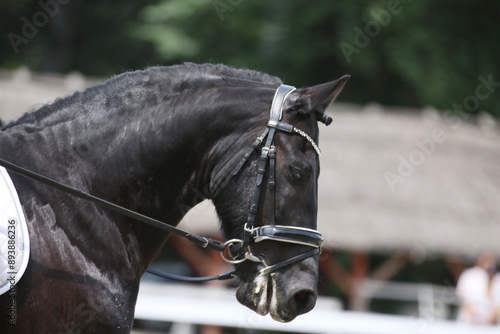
<point x="275" y="277"/>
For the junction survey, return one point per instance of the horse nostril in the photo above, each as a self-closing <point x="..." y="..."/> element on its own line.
<point x="304" y="300"/>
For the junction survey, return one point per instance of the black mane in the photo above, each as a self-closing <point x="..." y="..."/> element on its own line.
<point x="170" y="80"/>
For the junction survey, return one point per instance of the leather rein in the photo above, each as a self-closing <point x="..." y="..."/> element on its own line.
<point x="238" y="250"/>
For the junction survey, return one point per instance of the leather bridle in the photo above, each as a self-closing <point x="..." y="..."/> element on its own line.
<point x="238" y="250"/>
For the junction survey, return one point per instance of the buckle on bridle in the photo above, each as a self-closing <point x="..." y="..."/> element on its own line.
<point x="249" y="230"/>
<point x="233" y="260"/>
<point x="228" y="245"/>
<point x="272" y="123"/>
<point x="265" y="151"/>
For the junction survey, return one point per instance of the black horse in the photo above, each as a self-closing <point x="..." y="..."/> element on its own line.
<point x="152" y="141"/>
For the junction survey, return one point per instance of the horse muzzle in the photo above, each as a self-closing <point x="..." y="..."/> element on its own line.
<point x="285" y="293"/>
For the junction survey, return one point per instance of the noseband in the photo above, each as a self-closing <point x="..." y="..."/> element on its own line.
<point x="239" y="250"/>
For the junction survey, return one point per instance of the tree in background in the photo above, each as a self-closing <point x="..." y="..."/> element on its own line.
<point x="402" y="52"/>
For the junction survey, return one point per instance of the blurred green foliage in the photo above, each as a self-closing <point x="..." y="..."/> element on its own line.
<point x="415" y="53"/>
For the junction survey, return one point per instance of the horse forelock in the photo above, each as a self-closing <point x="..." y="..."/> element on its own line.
<point x="169" y="80"/>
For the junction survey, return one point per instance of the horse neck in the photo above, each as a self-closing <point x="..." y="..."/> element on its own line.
<point x="169" y="157"/>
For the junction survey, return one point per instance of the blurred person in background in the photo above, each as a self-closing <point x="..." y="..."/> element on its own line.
<point x="478" y="289"/>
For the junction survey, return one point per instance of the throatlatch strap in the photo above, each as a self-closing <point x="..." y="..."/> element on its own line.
<point x="256" y="196"/>
<point x="240" y="165"/>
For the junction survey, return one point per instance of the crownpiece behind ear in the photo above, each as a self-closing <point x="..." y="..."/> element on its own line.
<point x="326" y="119"/>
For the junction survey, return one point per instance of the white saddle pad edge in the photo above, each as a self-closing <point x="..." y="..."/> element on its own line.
<point x="22" y="245"/>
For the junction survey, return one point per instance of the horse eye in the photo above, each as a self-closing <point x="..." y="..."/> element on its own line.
<point x="306" y="146"/>
<point x="299" y="174"/>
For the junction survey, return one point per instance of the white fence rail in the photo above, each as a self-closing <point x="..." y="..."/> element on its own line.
<point x="218" y="306"/>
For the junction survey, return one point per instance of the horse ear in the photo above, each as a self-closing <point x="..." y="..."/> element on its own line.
<point x="321" y="96"/>
<point x="315" y="99"/>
